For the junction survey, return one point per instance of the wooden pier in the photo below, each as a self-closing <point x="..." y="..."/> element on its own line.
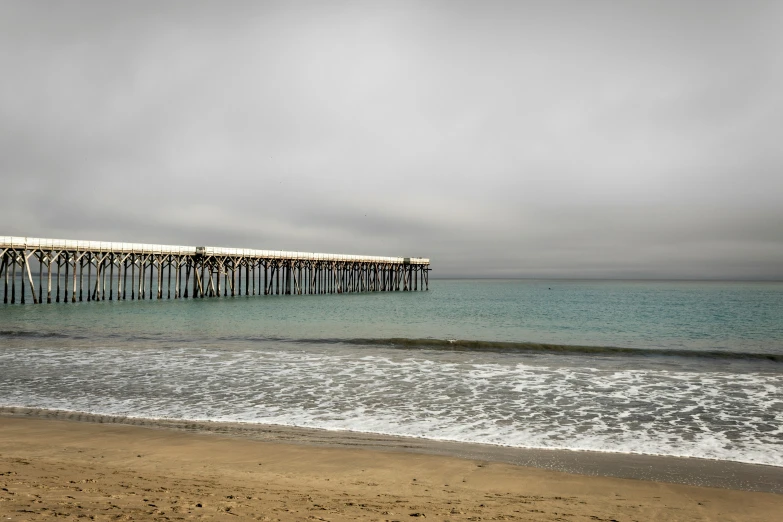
<point x="68" y="270"/>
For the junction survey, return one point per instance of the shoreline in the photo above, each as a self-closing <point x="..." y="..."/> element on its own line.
<point x="111" y="471"/>
<point x="728" y="475"/>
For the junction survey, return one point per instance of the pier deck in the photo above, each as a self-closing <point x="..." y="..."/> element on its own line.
<point x="147" y="271"/>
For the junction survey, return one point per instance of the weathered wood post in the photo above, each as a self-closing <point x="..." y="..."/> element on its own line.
<point x="59" y="263"/>
<point x="111" y="276"/>
<point x="39" y="256"/>
<point x="21" y="267"/>
<point x="133" y="276"/>
<point x="49" y="277"/>
<point x="99" y="270"/>
<point x="66" y="262"/>
<point x="124" y="263"/>
<point x="160" y="276"/>
<point x="152" y="274"/>
<point x="89" y="278"/>
<point x="201" y="279"/>
<point x="75" y="260"/>
<point x="220" y="275"/>
<point x="177" y="277"/>
<point x="13" y="279"/>
<point x="168" y="286"/>
<point x="149" y="276"/>
<point x="142" y="277"/>
<point x="188" y="261"/>
<point x="30" y="276"/>
<point x="5" y="274"/>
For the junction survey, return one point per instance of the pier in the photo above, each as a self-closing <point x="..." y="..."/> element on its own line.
<point x="71" y="271"/>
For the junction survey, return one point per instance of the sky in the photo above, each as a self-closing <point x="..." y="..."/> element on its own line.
<point x="563" y="139"/>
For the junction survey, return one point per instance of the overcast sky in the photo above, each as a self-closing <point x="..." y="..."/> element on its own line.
<point x="535" y="139"/>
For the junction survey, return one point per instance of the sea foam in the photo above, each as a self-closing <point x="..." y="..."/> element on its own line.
<point x="502" y="399"/>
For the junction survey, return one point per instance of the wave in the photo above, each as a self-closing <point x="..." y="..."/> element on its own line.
<point x="531" y="347"/>
<point x="435" y="344"/>
<point x="28" y="333"/>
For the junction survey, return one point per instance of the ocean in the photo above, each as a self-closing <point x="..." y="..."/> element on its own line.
<point x="692" y="369"/>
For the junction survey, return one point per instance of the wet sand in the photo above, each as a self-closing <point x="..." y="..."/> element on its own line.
<point x="106" y="468"/>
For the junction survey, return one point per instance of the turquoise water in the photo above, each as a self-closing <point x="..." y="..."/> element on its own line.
<point x="674" y="368"/>
<point x="733" y="317"/>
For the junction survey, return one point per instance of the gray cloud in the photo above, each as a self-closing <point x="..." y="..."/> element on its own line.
<point x="551" y="139"/>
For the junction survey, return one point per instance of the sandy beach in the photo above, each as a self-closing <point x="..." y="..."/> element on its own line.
<point x="96" y="470"/>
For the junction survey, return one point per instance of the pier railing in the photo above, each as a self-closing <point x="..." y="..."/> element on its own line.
<point x="144" y="271"/>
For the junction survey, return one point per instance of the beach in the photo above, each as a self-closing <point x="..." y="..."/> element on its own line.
<point x="98" y="470"/>
<point x="391" y="261"/>
<point x="475" y="400"/>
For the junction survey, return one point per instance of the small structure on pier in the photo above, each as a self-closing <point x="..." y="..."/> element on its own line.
<point x="141" y="271"/>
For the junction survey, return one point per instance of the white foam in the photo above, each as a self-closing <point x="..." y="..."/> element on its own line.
<point x="507" y="402"/>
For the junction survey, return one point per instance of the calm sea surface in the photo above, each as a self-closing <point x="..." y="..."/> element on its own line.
<point x="671" y="368"/>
